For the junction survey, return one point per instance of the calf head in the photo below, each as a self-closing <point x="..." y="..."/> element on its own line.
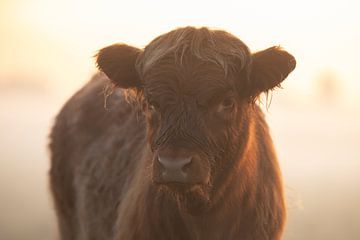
<point x="196" y="88"/>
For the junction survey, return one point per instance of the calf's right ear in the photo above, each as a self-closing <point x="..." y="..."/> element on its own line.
<point x="118" y="63"/>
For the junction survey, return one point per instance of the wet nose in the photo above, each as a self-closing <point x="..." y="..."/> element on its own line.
<point x="174" y="168"/>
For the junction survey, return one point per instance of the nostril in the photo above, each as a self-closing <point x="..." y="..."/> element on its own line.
<point x="186" y="164"/>
<point x="174" y="164"/>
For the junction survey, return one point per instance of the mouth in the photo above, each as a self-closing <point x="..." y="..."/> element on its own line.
<point x="193" y="198"/>
<point x="180" y="188"/>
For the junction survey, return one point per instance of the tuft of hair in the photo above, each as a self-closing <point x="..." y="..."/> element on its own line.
<point x="216" y="46"/>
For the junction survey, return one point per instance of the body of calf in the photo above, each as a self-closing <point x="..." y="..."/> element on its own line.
<point x="179" y="151"/>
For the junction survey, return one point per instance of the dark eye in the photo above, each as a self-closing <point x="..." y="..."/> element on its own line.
<point x="226" y="104"/>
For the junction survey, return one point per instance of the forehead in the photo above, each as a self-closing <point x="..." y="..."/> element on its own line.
<point x="191" y="77"/>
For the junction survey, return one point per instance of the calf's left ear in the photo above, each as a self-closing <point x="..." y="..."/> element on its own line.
<point x="269" y="68"/>
<point x="118" y="63"/>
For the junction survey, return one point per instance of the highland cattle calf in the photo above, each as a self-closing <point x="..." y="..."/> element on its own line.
<point x="179" y="150"/>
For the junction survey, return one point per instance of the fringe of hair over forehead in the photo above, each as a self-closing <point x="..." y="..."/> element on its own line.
<point x="214" y="46"/>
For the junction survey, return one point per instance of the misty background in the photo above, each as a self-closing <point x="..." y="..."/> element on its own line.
<point x="46" y="54"/>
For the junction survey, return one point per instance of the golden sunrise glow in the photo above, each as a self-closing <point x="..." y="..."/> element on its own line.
<point x="46" y="55"/>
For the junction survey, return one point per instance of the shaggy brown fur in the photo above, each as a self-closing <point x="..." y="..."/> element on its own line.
<point x="196" y="89"/>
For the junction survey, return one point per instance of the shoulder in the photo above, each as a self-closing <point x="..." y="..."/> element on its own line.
<point x="94" y="108"/>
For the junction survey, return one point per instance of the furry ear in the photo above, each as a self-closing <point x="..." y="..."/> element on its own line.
<point x="269" y="68"/>
<point x="118" y="63"/>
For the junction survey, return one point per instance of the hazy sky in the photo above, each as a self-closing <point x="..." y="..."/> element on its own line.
<point x="52" y="42"/>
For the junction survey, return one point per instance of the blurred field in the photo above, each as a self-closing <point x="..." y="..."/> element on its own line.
<point x="319" y="151"/>
<point x="318" y="145"/>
